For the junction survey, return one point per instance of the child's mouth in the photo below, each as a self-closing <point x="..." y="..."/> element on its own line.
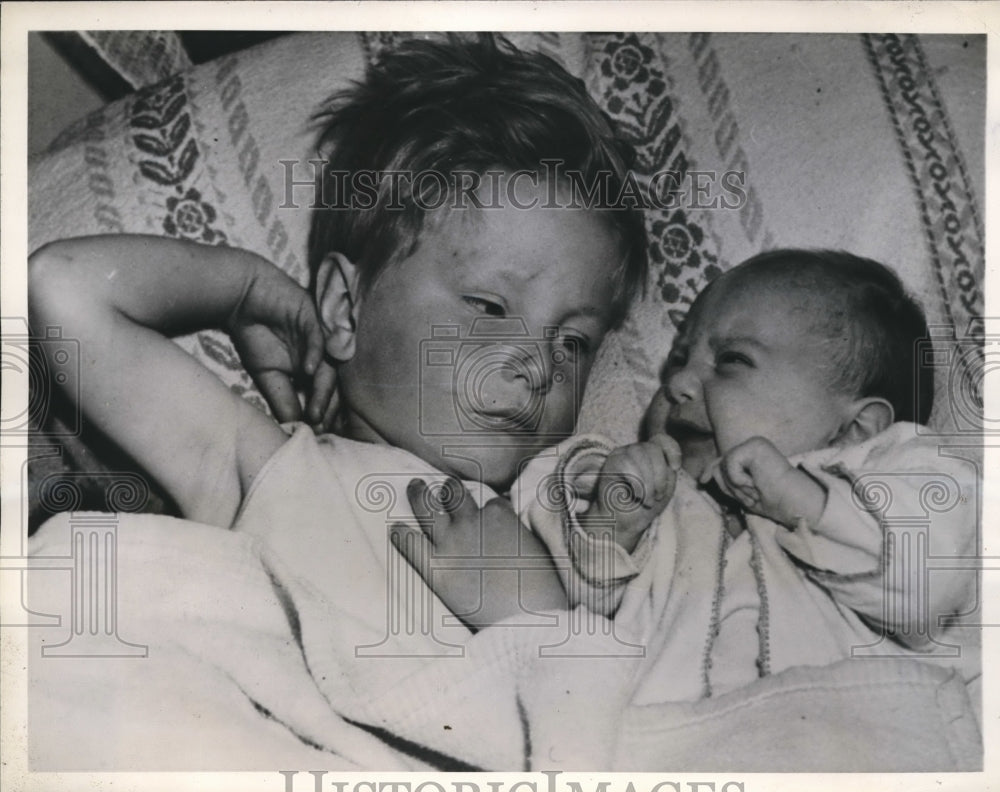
<point x="510" y="420"/>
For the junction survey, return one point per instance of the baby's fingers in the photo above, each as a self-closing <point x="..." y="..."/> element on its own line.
<point x="670" y="448"/>
<point x="621" y="479"/>
<point x="735" y="481"/>
<point x="660" y="471"/>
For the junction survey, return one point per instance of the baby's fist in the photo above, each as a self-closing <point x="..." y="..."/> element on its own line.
<point x="634" y="485"/>
<point x="762" y="480"/>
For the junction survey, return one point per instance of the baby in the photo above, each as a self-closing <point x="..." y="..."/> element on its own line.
<point x="746" y="535"/>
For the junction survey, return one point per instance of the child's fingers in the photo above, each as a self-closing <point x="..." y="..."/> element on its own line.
<point x="277" y="389"/>
<point x="452" y="497"/>
<point x="415" y="548"/>
<point x="311" y="337"/>
<point x="436" y="507"/>
<point x="313" y="354"/>
<point x="420" y="504"/>
<point x="324" y="385"/>
<point x="330" y="414"/>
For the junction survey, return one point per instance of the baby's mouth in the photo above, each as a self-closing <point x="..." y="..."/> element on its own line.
<point x="685" y="431"/>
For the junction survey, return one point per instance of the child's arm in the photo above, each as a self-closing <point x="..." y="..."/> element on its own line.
<point x="120" y="296"/>
<point x="481" y="562"/>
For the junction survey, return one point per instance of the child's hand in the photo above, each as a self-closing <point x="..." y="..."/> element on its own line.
<point x="482" y="563"/>
<point x="279" y="339"/>
<point x="634" y="485"/>
<point x="762" y="480"/>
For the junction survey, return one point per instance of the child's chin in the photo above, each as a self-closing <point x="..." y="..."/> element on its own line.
<point x="495" y="467"/>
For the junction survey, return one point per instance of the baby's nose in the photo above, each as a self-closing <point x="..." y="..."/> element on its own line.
<point x="682" y="385"/>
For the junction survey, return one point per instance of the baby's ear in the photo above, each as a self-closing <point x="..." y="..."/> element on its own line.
<point x="868" y="417"/>
<point x="338" y="300"/>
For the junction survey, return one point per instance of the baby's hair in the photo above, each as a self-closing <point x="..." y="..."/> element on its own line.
<point x="462" y="104"/>
<point x="875" y="324"/>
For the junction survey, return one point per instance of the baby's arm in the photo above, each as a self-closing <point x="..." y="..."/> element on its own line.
<point x="867" y="561"/>
<point x="481" y="562"/>
<point x="120" y="296"/>
<point x="633" y="486"/>
<point x="762" y="480"/>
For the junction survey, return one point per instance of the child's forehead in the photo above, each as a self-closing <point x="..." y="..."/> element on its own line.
<point x="517" y="243"/>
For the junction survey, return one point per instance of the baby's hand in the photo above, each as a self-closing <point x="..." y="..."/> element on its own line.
<point x="762" y="480"/>
<point x="279" y="338"/>
<point x="634" y="485"/>
<point x="482" y="563"/>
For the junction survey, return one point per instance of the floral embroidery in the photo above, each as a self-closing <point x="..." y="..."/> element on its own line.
<point x="627" y="62"/>
<point x="674" y="243"/>
<point x="191" y="217"/>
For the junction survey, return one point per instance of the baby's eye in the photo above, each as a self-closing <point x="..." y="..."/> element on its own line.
<point x="484" y="306"/>
<point x="730" y="358"/>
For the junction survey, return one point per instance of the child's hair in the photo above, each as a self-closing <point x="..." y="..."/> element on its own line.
<point x="876" y="323"/>
<point x="459" y="105"/>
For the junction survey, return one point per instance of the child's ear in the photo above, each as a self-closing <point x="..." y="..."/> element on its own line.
<point x="338" y="300"/>
<point x="867" y="418"/>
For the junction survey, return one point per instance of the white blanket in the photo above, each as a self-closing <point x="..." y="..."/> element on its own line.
<point x="225" y="685"/>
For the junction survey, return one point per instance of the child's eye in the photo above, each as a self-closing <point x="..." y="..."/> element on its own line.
<point x="676" y="359"/>
<point x="576" y="345"/>
<point x="488" y="307"/>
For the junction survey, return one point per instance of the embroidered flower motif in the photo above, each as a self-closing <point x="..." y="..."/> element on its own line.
<point x="628" y="63"/>
<point x="190" y="217"/>
<point x="674" y="243"/>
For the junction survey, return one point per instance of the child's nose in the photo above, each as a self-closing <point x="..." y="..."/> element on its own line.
<point x="529" y="366"/>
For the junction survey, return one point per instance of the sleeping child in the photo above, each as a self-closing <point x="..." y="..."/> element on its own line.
<point x="760" y="526"/>
<point x="442" y="217"/>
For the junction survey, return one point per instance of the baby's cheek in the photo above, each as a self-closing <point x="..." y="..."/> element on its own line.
<point x="732" y="422"/>
<point x="655" y="419"/>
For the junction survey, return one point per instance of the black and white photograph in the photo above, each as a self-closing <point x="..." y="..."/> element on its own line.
<point x="483" y="397"/>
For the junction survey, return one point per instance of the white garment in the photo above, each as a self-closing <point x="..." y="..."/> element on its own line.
<point x="855" y="584"/>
